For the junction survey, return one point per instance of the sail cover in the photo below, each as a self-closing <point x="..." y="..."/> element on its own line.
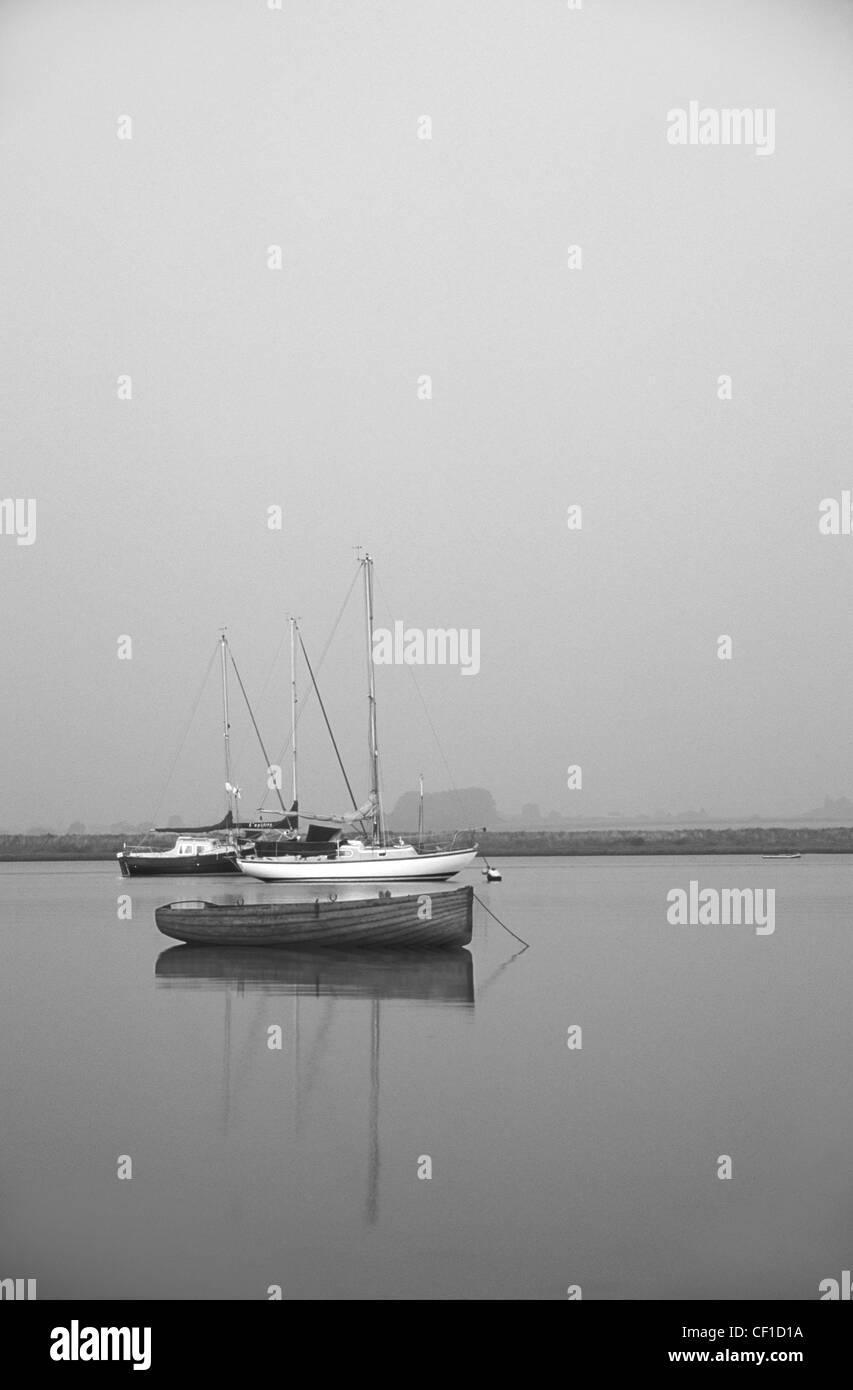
<point x="362" y="812"/>
<point x="288" y="822"/>
<point x="227" y="823"/>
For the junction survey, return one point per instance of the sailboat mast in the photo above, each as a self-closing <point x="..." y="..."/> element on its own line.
<point x="367" y="562"/>
<point x="293" y="699"/>
<point x="421" y="811"/>
<point x="226" y="726"/>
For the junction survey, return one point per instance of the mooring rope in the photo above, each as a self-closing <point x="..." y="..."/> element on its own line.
<point x="500" y="970"/>
<point x="525" y="944"/>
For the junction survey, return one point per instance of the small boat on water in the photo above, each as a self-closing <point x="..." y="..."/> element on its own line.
<point x="383" y="920"/>
<point x="781" y="856"/>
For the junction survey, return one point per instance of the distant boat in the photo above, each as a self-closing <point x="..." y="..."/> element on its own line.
<point x="383" y="920"/>
<point x="781" y="856"/>
<point x="205" y="849"/>
<point x="371" y="856"/>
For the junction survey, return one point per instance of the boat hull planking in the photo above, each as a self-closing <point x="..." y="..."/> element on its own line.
<point x="408" y="920"/>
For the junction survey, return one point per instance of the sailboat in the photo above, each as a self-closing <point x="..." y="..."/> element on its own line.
<point x="369" y="858"/>
<point x="205" y="849"/>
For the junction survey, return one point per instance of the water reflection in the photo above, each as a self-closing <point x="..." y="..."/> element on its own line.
<point x="372" y="1204"/>
<point x="436" y="977"/>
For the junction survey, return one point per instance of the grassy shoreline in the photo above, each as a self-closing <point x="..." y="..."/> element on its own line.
<point x="511" y="843"/>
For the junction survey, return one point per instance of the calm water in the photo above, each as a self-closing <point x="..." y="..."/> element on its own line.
<point x="551" y="1166"/>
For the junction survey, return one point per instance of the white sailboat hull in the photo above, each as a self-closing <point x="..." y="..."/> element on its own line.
<point x="372" y="867"/>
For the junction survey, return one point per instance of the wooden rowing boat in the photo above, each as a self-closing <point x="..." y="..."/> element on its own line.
<point x="383" y="920"/>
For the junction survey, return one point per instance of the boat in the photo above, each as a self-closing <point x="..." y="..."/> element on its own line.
<point x="490" y="873"/>
<point x="781" y="856"/>
<point x="189" y="855"/>
<point x="382" y="920"/>
<point x="356" y="860"/>
<point x="207" y="849"/>
<point x="371" y="856"/>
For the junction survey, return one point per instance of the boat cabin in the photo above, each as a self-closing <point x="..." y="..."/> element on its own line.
<point x="190" y="844"/>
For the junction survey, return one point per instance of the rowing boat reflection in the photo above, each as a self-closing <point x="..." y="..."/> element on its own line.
<point x="429" y="975"/>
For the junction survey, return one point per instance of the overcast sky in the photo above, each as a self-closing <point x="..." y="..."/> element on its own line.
<point x="551" y="386"/>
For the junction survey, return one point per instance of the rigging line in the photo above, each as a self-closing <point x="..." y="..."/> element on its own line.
<point x="525" y="944"/>
<point x="261" y="695"/>
<point x="424" y="703"/>
<point x="328" y="725"/>
<point x="196" y="704"/>
<point x="303" y="704"/>
<point x="338" y="619"/>
<point x="254" y="723"/>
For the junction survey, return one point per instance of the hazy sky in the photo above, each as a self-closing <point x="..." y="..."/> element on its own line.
<point x="551" y="386"/>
